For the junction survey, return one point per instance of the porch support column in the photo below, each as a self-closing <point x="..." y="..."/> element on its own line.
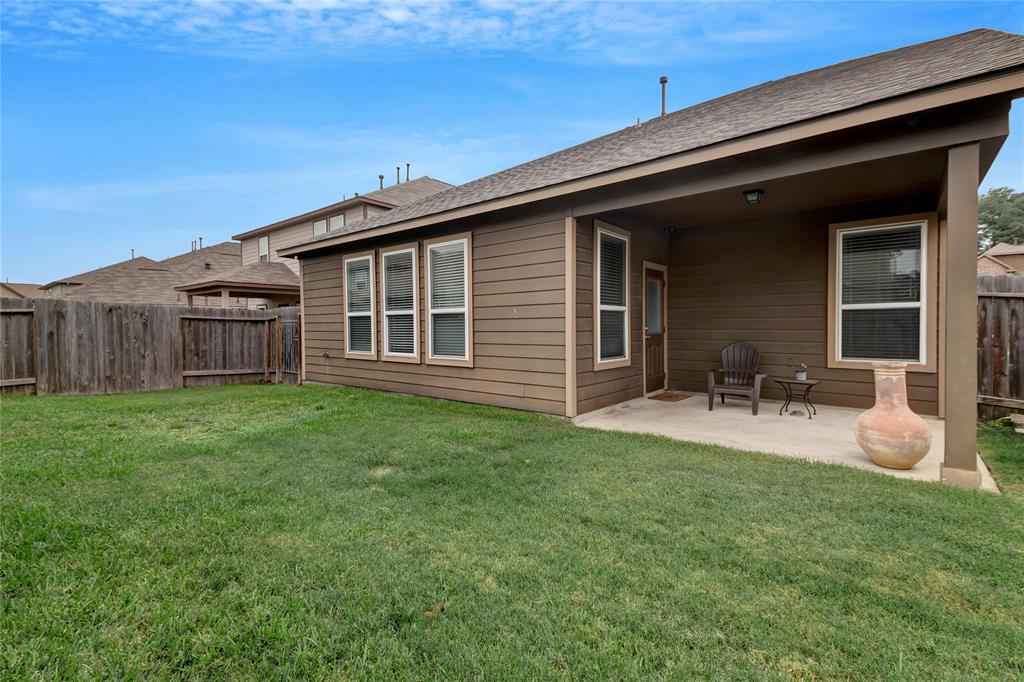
<point x="225" y="298"/>
<point x="190" y="299"/>
<point x="960" y="465"/>
<point x="570" y="317"/>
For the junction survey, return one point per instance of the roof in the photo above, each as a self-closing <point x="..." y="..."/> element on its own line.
<point x="389" y="197"/>
<point x="1004" y="249"/>
<point x="144" y="280"/>
<point x="24" y="290"/>
<point x="261" y="275"/>
<point x="774" y="104"/>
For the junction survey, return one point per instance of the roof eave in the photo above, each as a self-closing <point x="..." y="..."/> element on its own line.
<point x="1007" y="81"/>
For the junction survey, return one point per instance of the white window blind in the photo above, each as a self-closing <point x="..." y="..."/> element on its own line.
<point x="613" y="292"/>
<point x="400" y="328"/>
<point x="359" y="305"/>
<point x="264" y="248"/>
<point x="337" y="222"/>
<point x="447" y="282"/>
<point x="881" y="298"/>
<point x="319" y="227"/>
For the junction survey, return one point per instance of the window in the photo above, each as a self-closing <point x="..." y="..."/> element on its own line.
<point x="264" y="246"/>
<point x="450" y="317"/>
<point x="611" y="297"/>
<point x="337" y="222"/>
<point x="399" y="280"/>
<point x="319" y="226"/>
<point x="360" y="332"/>
<point x="881" y="307"/>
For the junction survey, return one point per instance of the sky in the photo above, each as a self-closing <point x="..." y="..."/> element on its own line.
<point x="145" y="125"/>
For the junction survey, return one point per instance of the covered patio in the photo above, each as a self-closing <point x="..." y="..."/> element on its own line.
<point x="827" y="438"/>
<point x="751" y="248"/>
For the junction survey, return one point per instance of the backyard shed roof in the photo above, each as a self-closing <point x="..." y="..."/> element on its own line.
<point x="777" y="103"/>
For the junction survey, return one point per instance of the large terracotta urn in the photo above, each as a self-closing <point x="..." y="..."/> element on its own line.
<point x="890" y="433"/>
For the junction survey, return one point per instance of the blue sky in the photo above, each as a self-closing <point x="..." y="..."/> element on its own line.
<point x="147" y="124"/>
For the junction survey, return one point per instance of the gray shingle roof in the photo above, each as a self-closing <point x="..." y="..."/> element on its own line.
<point x="773" y="104"/>
<point x="266" y="274"/>
<point x="408" y="192"/>
<point x="1004" y="249"/>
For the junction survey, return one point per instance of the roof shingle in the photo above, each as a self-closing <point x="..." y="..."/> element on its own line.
<point x="770" y="105"/>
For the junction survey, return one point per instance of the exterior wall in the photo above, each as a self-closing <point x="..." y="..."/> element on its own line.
<point x="610" y="386"/>
<point x="289" y="236"/>
<point x="518" y="321"/>
<point x="766" y="282"/>
<point x="987" y="266"/>
<point x="1014" y="260"/>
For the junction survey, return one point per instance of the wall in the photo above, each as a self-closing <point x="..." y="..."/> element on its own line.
<point x="289" y="236"/>
<point x="518" y="321"/>
<point x="765" y="282"/>
<point x="607" y="387"/>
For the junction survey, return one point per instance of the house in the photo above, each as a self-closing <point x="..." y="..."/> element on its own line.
<point x="830" y="216"/>
<point x="1002" y="259"/>
<point x="144" y="280"/>
<point x="20" y="290"/>
<point x="266" y="276"/>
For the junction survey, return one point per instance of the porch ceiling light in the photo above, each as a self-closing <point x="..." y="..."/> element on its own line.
<point x="753" y="196"/>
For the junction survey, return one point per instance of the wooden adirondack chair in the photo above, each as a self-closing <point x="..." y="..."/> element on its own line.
<point x="739" y="375"/>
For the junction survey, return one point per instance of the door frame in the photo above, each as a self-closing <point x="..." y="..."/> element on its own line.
<point x="644" y="267"/>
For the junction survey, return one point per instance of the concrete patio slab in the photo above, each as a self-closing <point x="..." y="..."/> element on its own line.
<point x="828" y="437"/>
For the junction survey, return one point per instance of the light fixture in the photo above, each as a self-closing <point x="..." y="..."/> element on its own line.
<point x="753" y="196"/>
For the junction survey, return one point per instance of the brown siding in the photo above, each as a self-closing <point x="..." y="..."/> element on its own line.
<point x="289" y="236"/>
<point x="765" y="282"/>
<point x="607" y="387"/>
<point x="518" y="328"/>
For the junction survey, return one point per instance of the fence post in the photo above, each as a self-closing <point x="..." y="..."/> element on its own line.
<point x="280" y="350"/>
<point x="181" y="350"/>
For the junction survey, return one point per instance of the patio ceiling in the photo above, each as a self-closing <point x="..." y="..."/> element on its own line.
<point x="914" y="175"/>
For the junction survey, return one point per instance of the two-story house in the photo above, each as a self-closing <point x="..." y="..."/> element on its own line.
<point x="269" y="280"/>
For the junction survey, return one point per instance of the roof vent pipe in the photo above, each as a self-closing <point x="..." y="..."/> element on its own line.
<point x="133" y="254"/>
<point x="664" y="81"/>
<point x="200" y="242"/>
<point x="398" y="175"/>
<point x="381" y="178"/>
<point x="407" y="171"/>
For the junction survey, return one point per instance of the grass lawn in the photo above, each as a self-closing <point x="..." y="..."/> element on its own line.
<point x="1003" y="451"/>
<point x="278" y="531"/>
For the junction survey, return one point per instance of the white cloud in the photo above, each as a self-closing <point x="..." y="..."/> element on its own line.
<point x="622" y="32"/>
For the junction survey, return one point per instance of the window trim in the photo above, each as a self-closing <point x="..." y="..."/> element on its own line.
<point x="336" y="215"/>
<point x="428" y="244"/>
<point x="413" y="357"/>
<point x="326" y="223"/>
<point x="368" y="256"/>
<point x="262" y="239"/>
<point x="929" y="336"/>
<point x="620" y="233"/>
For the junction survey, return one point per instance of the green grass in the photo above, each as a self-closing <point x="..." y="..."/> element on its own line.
<point x="1003" y="451"/>
<point x="275" y="532"/>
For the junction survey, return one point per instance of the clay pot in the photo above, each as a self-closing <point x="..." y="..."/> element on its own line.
<point x="890" y="434"/>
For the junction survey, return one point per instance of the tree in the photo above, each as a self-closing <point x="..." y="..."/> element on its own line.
<point x="1000" y="218"/>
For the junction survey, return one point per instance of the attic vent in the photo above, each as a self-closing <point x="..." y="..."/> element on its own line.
<point x="206" y="265"/>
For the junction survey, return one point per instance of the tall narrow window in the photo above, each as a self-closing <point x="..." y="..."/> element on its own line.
<point x="448" y="300"/>
<point x="337" y="222"/>
<point x="360" y="334"/>
<point x="881" y="306"/>
<point x="399" y="281"/>
<point x="612" y="296"/>
<point x="319" y="227"/>
<point x="264" y="246"/>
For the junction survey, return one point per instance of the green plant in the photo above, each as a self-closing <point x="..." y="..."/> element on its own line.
<point x="799" y="366"/>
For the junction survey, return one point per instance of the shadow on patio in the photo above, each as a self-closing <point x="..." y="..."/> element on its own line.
<point x="828" y="437"/>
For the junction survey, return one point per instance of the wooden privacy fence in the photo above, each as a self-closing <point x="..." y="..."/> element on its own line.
<point x="1000" y="344"/>
<point x="61" y="346"/>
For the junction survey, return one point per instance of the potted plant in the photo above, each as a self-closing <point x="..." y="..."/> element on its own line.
<point x="800" y="368"/>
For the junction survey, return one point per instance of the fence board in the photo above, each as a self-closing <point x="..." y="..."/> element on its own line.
<point x="63" y="346"/>
<point x="1000" y="344"/>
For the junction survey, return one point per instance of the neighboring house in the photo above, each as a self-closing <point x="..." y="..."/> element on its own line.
<point x="144" y="280"/>
<point x="266" y="277"/>
<point x="1002" y="259"/>
<point x="20" y="290"/>
<point x="829" y="216"/>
